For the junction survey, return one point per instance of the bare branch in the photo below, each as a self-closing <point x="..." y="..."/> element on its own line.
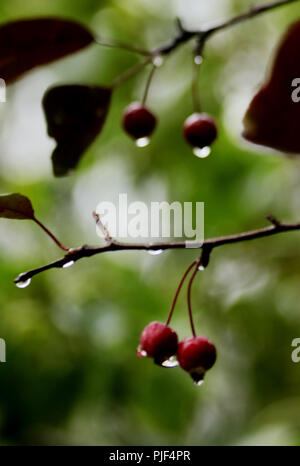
<point x="104" y="230"/>
<point x="208" y="245"/>
<point x="203" y="34"/>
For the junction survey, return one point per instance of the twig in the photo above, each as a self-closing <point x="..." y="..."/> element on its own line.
<point x="148" y="83"/>
<point x="103" y="228"/>
<point x="121" y="45"/>
<point x="207" y="247"/>
<point x="48" y="232"/>
<point x="203" y="34"/>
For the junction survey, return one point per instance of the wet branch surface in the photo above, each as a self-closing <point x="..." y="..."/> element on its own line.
<point x="74" y="255"/>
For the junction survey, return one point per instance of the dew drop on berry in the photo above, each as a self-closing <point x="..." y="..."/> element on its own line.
<point x="140" y="352"/>
<point x="201" y="268"/>
<point x="199" y="383"/>
<point x="142" y="142"/>
<point x="68" y="264"/>
<point x="202" y="153"/>
<point x="24" y="284"/>
<point x="155" y="252"/>
<point x="171" y="362"/>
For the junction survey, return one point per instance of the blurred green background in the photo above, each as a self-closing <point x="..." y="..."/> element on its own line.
<point x="72" y="375"/>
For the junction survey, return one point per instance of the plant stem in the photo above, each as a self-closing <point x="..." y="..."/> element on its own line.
<point x="178" y="291"/>
<point x="148" y="83"/>
<point x="203" y="34"/>
<point x="131" y="72"/>
<point x="189" y="297"/>
<point x="209" y="244"/>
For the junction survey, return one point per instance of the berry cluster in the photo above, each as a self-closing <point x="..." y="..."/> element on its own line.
<point x="199" y="129"/>
<point x="159" y="341"/>
<point x="195" y="355"/>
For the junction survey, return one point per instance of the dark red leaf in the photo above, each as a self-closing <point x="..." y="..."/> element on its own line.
<point x="273" y="119"/>
<point x="28" y="43"/>
<point x="16" y="206"/>
<point x="75" y="115"/>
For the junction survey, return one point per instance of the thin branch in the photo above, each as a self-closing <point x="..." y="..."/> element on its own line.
<point x="207" y="246"/>
<point x="254" y="11"/>
<point x="121" y="45"/>
<point x="178" y="290"/>
<point x="56" y="241"/>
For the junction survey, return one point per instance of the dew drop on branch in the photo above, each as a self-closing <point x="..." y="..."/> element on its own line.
<point x="68" y="264"/>
<point x="158" y="61"/>
<point x="198" y="60"/>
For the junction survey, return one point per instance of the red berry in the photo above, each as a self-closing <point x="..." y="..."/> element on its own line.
<point x="138" y="121"/>
<point x="196" y="355"/>
<point x="200" y="130"/>
<point x="158" y="341"/>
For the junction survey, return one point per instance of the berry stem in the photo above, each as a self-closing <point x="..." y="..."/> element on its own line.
<point x="189" y="296"/>
<point x="148" y="84"/>
<point x="56" y="241"/>
<point x="195" y="88"/>
<point x="198" y="59"/>
<point x="178" y="291"/>
<point x="121" y="45"/>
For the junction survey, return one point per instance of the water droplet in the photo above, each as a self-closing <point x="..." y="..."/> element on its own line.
<point x="68" y="264"/>
<point x="155" y="252"/>
<point x="141" y="353"/>
<point x="199" y="383"/>
<point x="201" y="268"/>
<point x="158" y="61"/>
<point x="171" y="362"/>
<point x="198" y="60"/>
<point x="142" y="142"/>
<point x="202" y="153"/>
<point x="24" y="284"/>
<point x="198" y="376"/>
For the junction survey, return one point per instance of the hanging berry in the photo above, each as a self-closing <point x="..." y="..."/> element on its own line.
<point x="196" y="355"/>
<point x="158" y="341"/>
<point x="200" y="131"/>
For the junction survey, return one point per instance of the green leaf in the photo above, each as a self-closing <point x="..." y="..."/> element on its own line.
<point x="75" y="115"/>
<point x="16" y="206"/>
<point x="28" y="43"/>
